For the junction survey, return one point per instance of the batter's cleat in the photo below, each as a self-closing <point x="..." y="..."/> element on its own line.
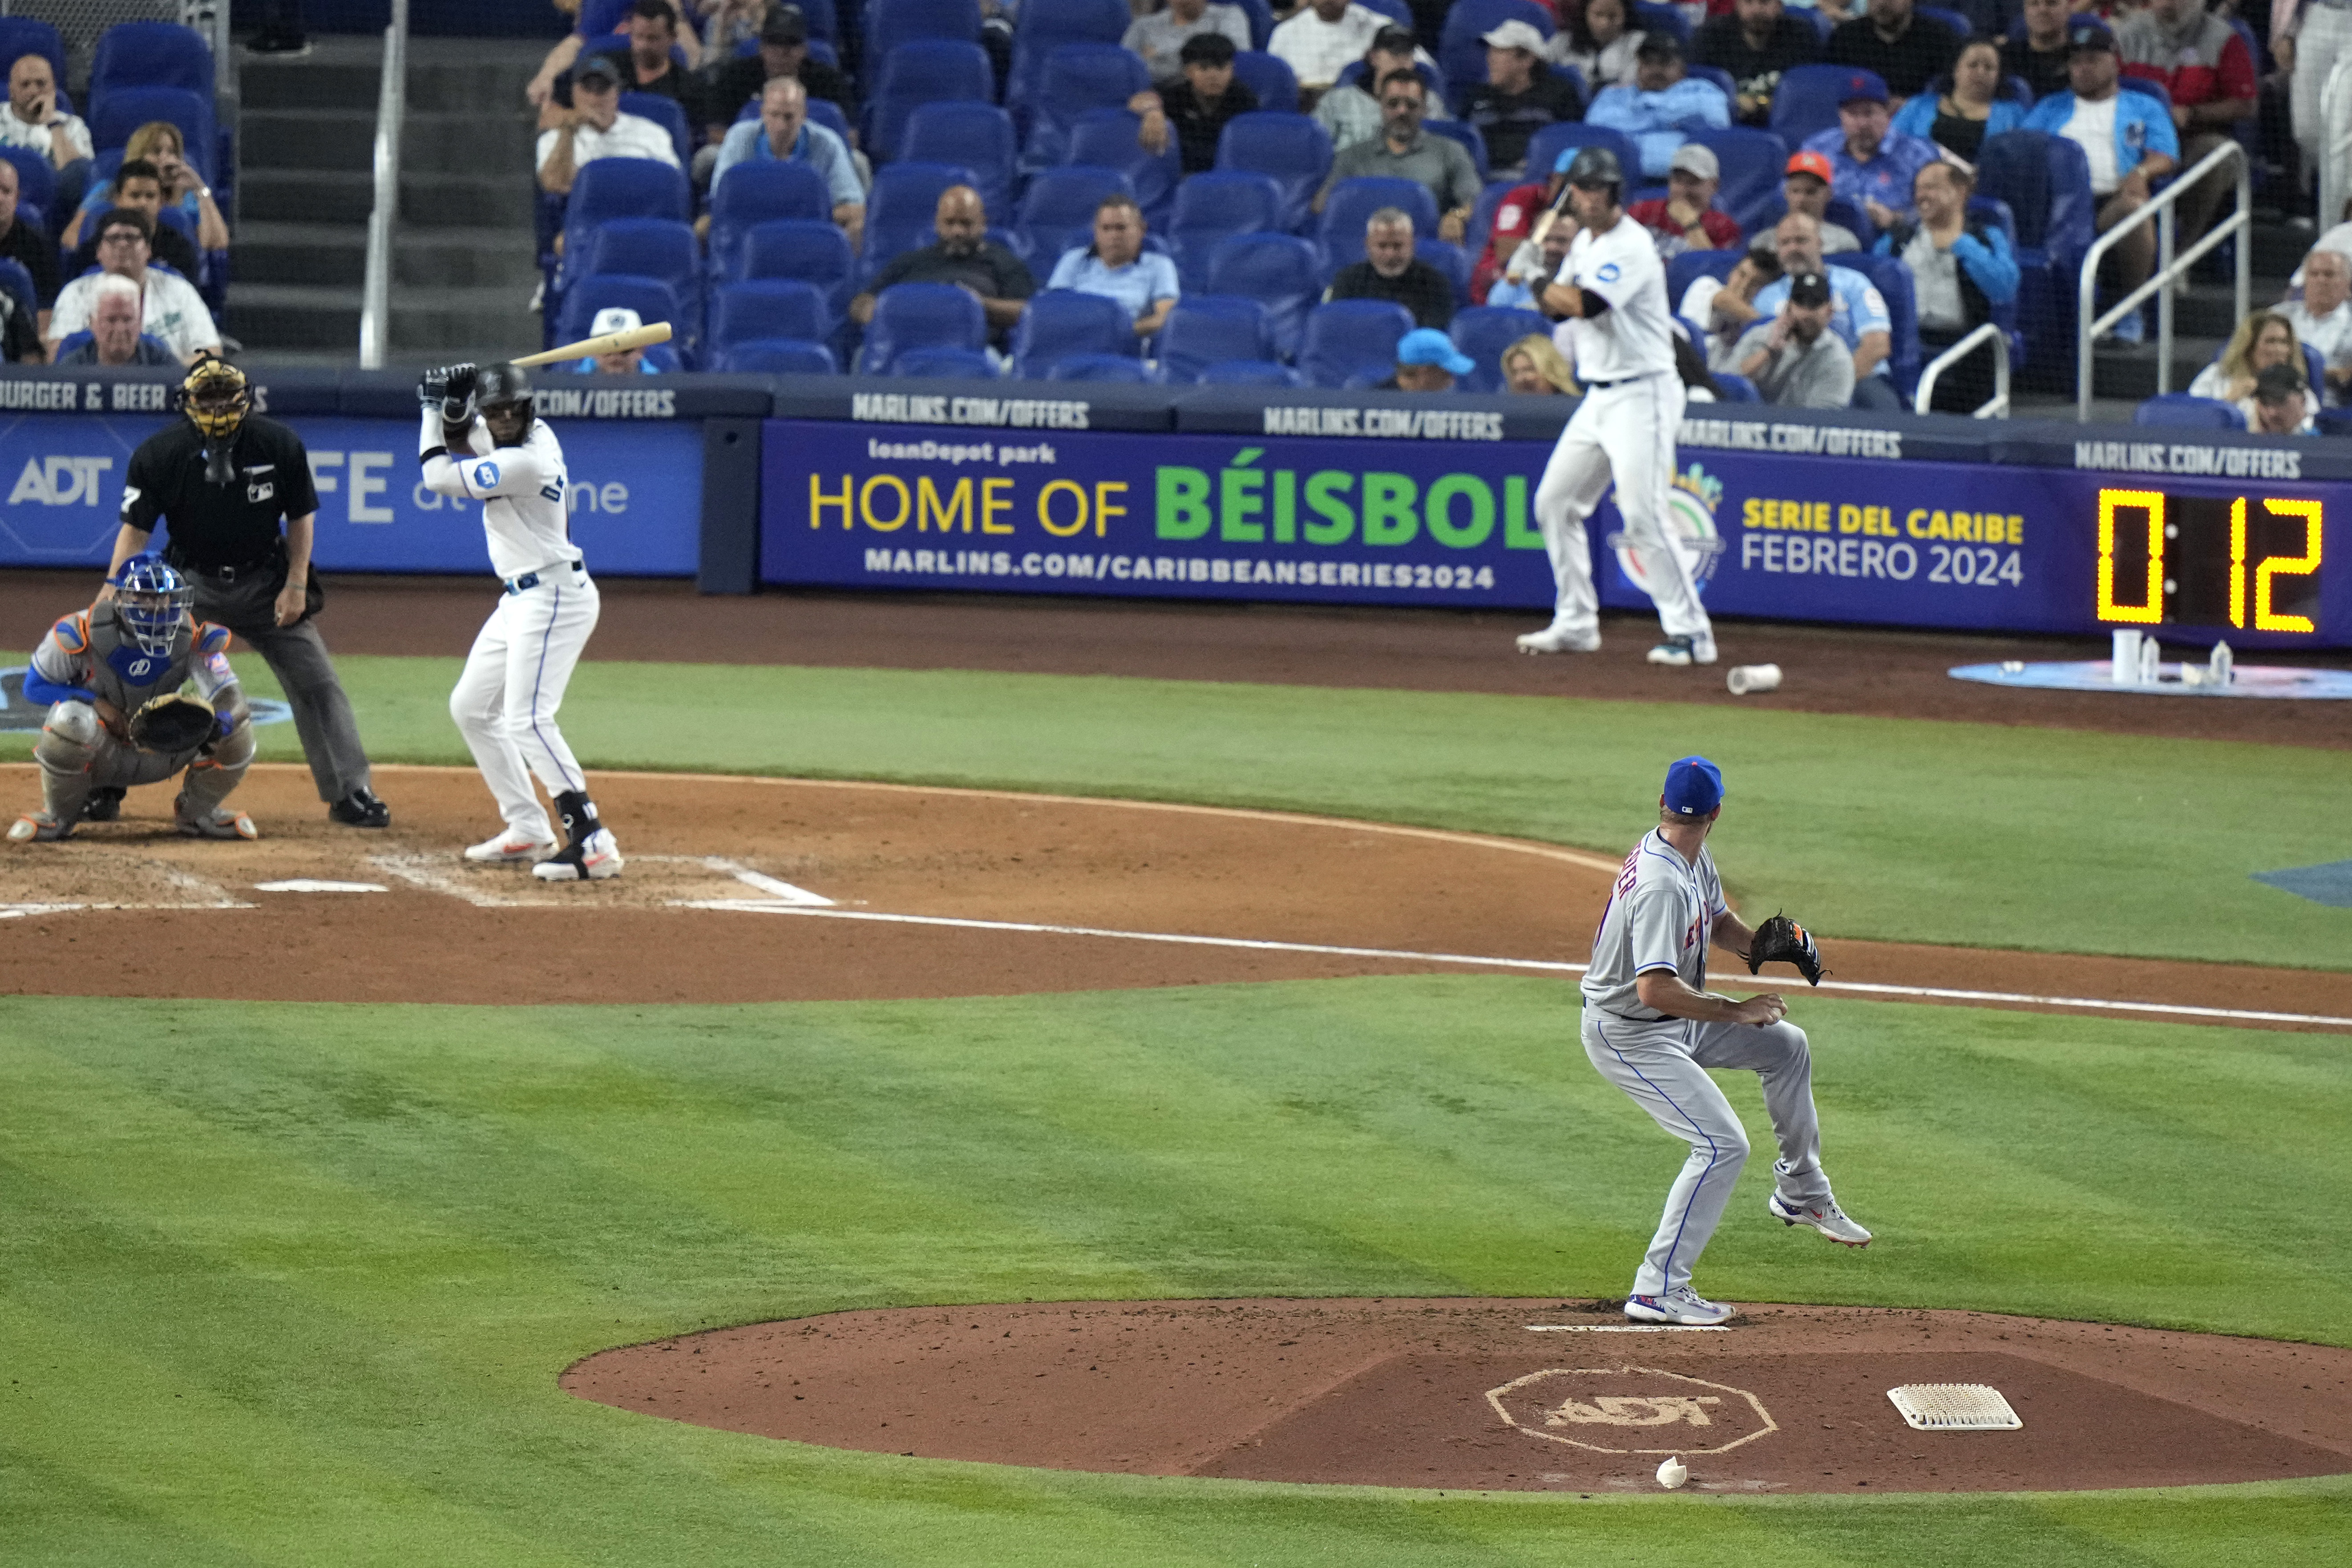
<point x="591" y="859"/>
<point x="1680" y="1305"/>
<point x="1684" y="651"/>
<point x="1559" y="639"/>
<point x="104" y="805"/>
<point x="361" y="809"/>
<point x="38" y="827"/>
<point x="1825" y="1216"/>
<point x="510" y="847"/>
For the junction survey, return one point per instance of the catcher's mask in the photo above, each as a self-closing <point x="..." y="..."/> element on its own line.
<point x="215" y="397"/>
<point x="503" y="394"/>
<point x="150" y="599"/>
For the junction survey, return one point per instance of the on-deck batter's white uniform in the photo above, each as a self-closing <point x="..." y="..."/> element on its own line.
<point x="505" y="702"/>
<point x="1660" y="913"/>
<point x="1626" y="425"/>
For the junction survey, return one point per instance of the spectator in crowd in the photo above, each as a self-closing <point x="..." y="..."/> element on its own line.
<point x="114" y="335"/>
<point x="1533" y="266"/>
<point x="2282" y="404"/>
<point x="2262" y="340"/>
<point x="1351" y="113"/>
<point x="1756" y="44"/>
<point x="1158" y="37"/>
<point x="139" y="188"/>
<point x="1959" y="120"/>
<point x="34" y="121"/>
<point x="1806" y="187"/>
<point x="2038" y="53"/>
<point x="1199" y="107"/>
<point x="1686" y="219"/>
<point x="1871" y="162"/>
<point x="2307" y="38"/>
<point x="1794" y="360"/>
<point x="1903" y="49"/>
<point x="2323" y="319"/>
<point x="1858" y="312"/>
<point x="158" y="143"/>
<point x="1520" y="96"/>
<point x="734" y="81"/>
<point x="20" y="331"/>
<point x="1661" y="105"/>
<point x="1600" y="43"/>
<point x="1321" y="39"/>
<point x="1390" y="270"/>
<point x="171" y="308"/>
<point x="643" y="56"/>
<point x="724" y="25"/>
<point x="1724" y="310"/>
<point x="23" y="242"/>
<point x="2129" y="141"/>
<point x="964" y="256"/>
<point x="568" y="48"/>
<point x="1404" y="150"/>
<point x="1534" y="365"/>
<point x="623" y="361"/>
<point x="594" y="127"/>
<point x="2204" y="65"/>
<point x="784" y="132"/>
<point x="1427" y="361"/>
<point x="1960" y="268"/>
<point x="1116" y="267"/>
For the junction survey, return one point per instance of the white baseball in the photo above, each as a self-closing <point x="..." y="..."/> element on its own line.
<point x="1673" y="1473"/>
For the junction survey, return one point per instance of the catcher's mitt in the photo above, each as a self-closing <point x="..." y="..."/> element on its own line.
<point x="171" y="724"/>
<point x="1782" y="941"/>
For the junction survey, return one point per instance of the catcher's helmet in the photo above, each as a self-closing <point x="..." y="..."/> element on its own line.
<point x="216" y="396"/>
<point x="1595" y="167"/>
<point x="150" y="599"/>
<point x="496" y="385"/>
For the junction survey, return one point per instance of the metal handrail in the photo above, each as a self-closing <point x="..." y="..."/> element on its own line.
<point x="390" y="109"/>
<point x="2158" y="211"/>
<point x="1997" y="407"/>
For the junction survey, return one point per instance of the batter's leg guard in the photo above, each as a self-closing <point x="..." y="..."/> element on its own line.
<point x="210" y="780"/>
<point x="591" y="855"/>
<point x="69" y="743"/>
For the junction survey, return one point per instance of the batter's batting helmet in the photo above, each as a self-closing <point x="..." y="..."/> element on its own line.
<point x="1595" y="167"/>
<point x="496" y="386"/>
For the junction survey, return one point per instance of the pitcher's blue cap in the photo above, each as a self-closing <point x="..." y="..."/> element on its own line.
<point x="1693" y="787"/>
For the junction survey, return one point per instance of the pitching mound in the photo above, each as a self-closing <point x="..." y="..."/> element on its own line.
<point x="1508" y="1395"/>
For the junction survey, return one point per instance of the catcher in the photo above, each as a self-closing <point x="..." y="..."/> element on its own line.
<point x="113" y="674"/>
<point x="1654" y="1029"/>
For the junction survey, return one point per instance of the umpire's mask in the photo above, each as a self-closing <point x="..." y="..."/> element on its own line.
<point x="217" y="397"/>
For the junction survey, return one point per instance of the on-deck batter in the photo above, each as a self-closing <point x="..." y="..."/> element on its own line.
<point x="505" y="702"/>
<point x="1610" y="297"/>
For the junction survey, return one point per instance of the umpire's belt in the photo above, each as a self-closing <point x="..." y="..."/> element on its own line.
<point x="530" y="580"/>
<point x="260" y="566"/>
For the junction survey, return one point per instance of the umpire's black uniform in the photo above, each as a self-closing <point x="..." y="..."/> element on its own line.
<point x="224" y="538"/>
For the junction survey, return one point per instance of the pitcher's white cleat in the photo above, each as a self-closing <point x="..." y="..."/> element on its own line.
<point x="1825" y="1216"/>
<point x="1680" y="1305"/>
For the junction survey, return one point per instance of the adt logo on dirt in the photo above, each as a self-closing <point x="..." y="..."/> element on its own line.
<point x="1690" y="528"/>
<point x="60" y="481"/>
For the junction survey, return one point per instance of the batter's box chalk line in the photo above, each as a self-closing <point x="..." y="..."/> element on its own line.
<point x="446" y="874"/>
<point x="1627" y="1329"/>
<point x="1955" y="1408"/>
<point x="196" y="894"/>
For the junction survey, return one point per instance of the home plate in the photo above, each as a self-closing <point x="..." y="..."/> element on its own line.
<point x="1954" y="1407"/>
<point x="313" y="885"/>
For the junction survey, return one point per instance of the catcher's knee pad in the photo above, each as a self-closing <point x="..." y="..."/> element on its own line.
<point x="72" y="723"/>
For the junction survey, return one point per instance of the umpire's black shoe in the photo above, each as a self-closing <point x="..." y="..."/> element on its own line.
<point x="104" y="805"/>
<point x="361" y="809"/>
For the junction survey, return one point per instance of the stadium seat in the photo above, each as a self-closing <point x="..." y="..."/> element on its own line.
<point x="127" y="108"/>
<point x="810" y="250"/>
<point x="622" y="187"/>
<point x="37" y="179"/>
<point x="758" y="192"/>
<point x="1962" y="26"/>
<point x="1209" y="329"/>
<point x="823" y="22"/>
<point x="1280" y="272"/>
<point x="822" y="111"/>
<point x="1807" y="100"/>
<point x="668" y="113"/>
<point x="902" y="209"/>
<point x="1291" y="149"/>
<point x="1270" y="77"/>
<point x="1483" y="332"/>
<point x="1211" y="208"/>
<point x="650" y="297"/>
<point x="2177" y="408"/>
<point x="1249" y="373"/>
<point x="1687" y="269"/>
<point x="1106" y="139"/>
<point x="1397" y="11"/>
<point x="1059" y="322"/>
<point x="1753" y="163"/>
<point x="149" y="54"/>
<point x="1078" y="77"/>
<point x="1461" y="49"/>
<point x="1449" y="259"/>
<point x="928" y="70"/>
<point x="1044" y="26"/>
<point x="768" y="307"/>
<point x="777" y="356"/>
<point x="1347" y="337"/>
<point x="17" y="281"/>
<point x="919" y="316"/>
<point x="977" y="135"/>
<point x="1893" y="279"/>
<point x="1099" y="367"/>
<point x="1817" y="19"/>
<point x="887" y="24"/>
<point x="2046" y="182"/>
<point x="1339" y="234"/>
<point x="968" y="364"/>
<point x="1737" y="388"/>
<point x="1472" y="140"/>
<point x="650" y="247"/>
<point x="1058" y="213"/>
<point x="1261" y="21"/>
<point x="1651" y="17"/>
<point x="1545" y="146"/>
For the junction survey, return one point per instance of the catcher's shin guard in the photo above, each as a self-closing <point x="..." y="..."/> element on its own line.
<point x="68" y="744"/>
<point x="212" y="777"/>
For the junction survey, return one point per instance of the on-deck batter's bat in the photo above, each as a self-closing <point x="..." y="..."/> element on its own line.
<point x="610" y="344"/>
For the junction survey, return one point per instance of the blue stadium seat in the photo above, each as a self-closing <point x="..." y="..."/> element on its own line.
<point x="1078" y="77"/>
<point x="622" y="187"/>
<point x="1461" y="49"/>
<point x="1651" y="17"/>
<point x="890" y="23"/>
<point x="777" y="356"/>
<point x="1753" y="163"/>
<point x="2046" y="183"/>
<point x="650" y="297"/>
<point x="1484" y="331"/>
<point x="1340" y="233"/>
<point x="1280" y="272"/>
<point x="823" y="22"/>
<point x="650" y="247"/>
<point x="1044" y="26"/>
<point x="1211" y="207"/>
<point x="928" y="70"/>
<point x="1737" y="388"/>
<point x="2180" y="409"/>
<point x="1546" y="145"/>
<point x="1105" y="139"/>
<point x="1058" y="213"/>
<point x="1290" y="148"/>
<point x="1270" y="77"/>
<point x="1961" y="25"/>
<point x="1449" y="259"/>
<point x="810" y="250"/>
<point x="1249" y="373"/>
<point x="127" y="108"/>
<point x="1347" y="337"/>
<point x="1807" y="100"/>
<point x="977" y="135"/>
<point x="2154" y="89"/>
<point x="1059" y="322"/>
<point x="22" y="35"/>
<point x="757" y="191"/>
<point x="1099" y="367"/>
<point x="1470" y="138"/>
<point x="1717" y="76"/>
<point x="668" y="113"/>
<point x="1261" y="21"/>
<point x="768" y="307"/>
<point x="1905" y="357"/>
<point x="149" y="54"/>
<point x="822" y="111"/>
<point x="1209" y="329"/>
<point x="919" y="316"/>
<point x="902" y="209"/>
<point x="1397" y="11"/>
<point x="37" y="179"/>
<point x="1687" y="269"/>
<point x="965" y="364"/>
<point x="1817" y="19"/>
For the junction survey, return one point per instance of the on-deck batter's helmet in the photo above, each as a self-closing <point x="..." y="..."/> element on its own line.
<point x="1595" y="167"/>
<point x="149" y="599"/>
<point x="216" y="396"/>
<point x="496" y="385"/>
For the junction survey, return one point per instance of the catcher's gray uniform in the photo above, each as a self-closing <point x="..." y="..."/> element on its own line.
<point x="1660" y="913"/>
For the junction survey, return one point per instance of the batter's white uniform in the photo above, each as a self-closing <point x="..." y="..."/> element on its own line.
<point x="1660" y="913"/>
<point x="1633" y="408"/>
<point x="506" y="701"/>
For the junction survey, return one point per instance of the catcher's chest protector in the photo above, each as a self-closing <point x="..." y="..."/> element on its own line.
<point x="126" y="674"/>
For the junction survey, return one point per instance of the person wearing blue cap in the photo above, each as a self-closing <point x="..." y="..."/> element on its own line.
<point x="1427" y="361"/>
<point x="1653" y="1028"/>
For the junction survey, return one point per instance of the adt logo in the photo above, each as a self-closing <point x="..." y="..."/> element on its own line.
<point x="485" y="475"/>
<point x="59" y="482"/>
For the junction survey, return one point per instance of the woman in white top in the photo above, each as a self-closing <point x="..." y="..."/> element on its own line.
<point x="2264" y="338"/>
<point x="1598" y="44"/>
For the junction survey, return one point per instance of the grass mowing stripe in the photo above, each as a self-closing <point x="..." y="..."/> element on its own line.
<point x="79" y="1519"/>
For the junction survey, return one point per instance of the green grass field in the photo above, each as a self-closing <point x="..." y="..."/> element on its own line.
<point x="292" y="1284"/>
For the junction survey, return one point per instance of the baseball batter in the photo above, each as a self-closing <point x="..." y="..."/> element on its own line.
<point x="1610" y="297"/>
<point x="1654" y="1029"/>
<point x="506" y="701"/>
<point x="114" y="676"/>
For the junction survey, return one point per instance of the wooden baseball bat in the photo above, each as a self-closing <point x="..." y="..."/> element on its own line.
<point x="610" y="344"/>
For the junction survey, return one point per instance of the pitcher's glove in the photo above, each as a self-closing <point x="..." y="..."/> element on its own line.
<point x="173" y="723"/>
<point x="1782" y="941"/>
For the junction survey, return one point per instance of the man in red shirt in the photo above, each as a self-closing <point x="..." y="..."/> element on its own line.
<point x="1514" y="215"/>
<point x="1685" y="219"/>
<point x="2204" y="64"/>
